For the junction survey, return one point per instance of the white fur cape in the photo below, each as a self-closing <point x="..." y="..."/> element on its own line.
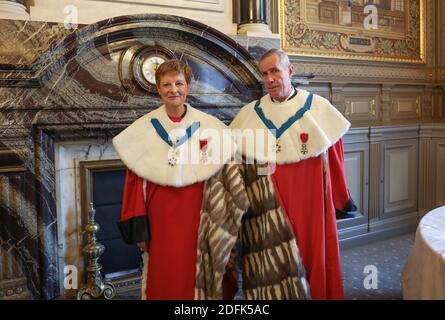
<point x="323" y="124"/>
<point x="144" y="152"/>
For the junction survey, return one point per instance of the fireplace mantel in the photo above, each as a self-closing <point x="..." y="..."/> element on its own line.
<point x="68" y="87"/>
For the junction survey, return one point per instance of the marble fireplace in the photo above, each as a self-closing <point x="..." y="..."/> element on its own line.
<point x="63" y="96"/>
<point x="91" y="172"/>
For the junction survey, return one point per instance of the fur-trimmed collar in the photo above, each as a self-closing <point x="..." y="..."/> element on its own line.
<point x="317" y="130"/>
<point x="144" y="152"/>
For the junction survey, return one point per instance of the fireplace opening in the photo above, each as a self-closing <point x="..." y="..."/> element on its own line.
<point x="102" y="184"/>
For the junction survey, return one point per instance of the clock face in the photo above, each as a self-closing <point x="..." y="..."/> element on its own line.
<point x="138" y="65"/>
<point x="149" y="66"/>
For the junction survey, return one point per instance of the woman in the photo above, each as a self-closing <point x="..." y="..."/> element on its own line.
<point x="176" y="157"/>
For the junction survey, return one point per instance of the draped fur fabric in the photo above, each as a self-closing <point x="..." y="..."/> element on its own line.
<point x="272" y="266"/>
<point x="224" y="203"/>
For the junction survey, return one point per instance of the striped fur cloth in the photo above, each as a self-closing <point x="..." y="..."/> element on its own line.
<point x="241" y="212"/>
<point x="272" y="266"/>
<point x="224" y="203"/>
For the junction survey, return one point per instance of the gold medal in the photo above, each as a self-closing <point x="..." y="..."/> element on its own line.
<point x="277" y="147"/>
<point x="304" y="148"/>
<point x="174" y="152"/>
<point x="173" y="155"/>
<point x="304" y="137"/>
<point x="172" y="161"/>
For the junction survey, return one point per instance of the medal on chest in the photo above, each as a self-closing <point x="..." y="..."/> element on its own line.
<point x="174" y="151"/>
<point x="173" y="155"/>
<point x="304" y="138"/>
<point x="203" y="151"/>
<point x="277" y="146"/>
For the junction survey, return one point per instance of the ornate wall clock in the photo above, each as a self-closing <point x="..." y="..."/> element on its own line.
<point x="149" y="66"/>
<point x="138" y="66"/>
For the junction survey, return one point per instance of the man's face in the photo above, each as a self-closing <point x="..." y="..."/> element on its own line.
<point x="276" y="77"/>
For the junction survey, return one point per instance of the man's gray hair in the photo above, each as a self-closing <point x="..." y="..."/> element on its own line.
<point x="284" y="58"/>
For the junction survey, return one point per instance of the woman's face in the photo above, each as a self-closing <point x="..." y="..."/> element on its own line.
<point x="173" y="89"/>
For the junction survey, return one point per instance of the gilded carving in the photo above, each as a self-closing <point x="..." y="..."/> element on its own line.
<point x="330" y="28"/>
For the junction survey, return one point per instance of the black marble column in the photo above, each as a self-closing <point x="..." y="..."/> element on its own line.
<point x="14" y="9"/>
<point x="252" y="18"/>
<point x="252" y="11"/>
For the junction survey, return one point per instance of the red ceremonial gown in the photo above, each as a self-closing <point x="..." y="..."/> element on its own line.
<point x="300" y="189"/>
<point x="305" y="127"/>
<point x="174" y="214"/>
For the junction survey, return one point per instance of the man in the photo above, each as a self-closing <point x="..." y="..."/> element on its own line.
<point x="293" y="205"/>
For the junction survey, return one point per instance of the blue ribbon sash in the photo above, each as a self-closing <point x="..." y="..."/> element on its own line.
<point x="164" y="135"/>
<point x="277" y="132"/>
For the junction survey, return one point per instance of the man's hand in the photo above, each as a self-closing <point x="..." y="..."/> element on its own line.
<point x="143" y="245"/>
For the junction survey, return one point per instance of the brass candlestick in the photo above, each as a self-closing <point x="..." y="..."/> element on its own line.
<point x="96" y="287"/>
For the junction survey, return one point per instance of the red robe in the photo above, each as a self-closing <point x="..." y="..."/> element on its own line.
<point x="174" y="215"/>
<point x="343" y="203"/>
<point x="300" y="189"/>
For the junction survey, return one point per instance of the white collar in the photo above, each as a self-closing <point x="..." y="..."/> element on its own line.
<point x="147" y="155"/>
<point x="323" y="124"/>
<point x="290" y="95"/>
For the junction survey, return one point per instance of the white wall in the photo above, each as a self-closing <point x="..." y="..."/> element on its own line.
<point x="216" y="13"/>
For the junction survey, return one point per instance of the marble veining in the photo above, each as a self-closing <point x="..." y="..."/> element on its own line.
<point x="59" y="86"/>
